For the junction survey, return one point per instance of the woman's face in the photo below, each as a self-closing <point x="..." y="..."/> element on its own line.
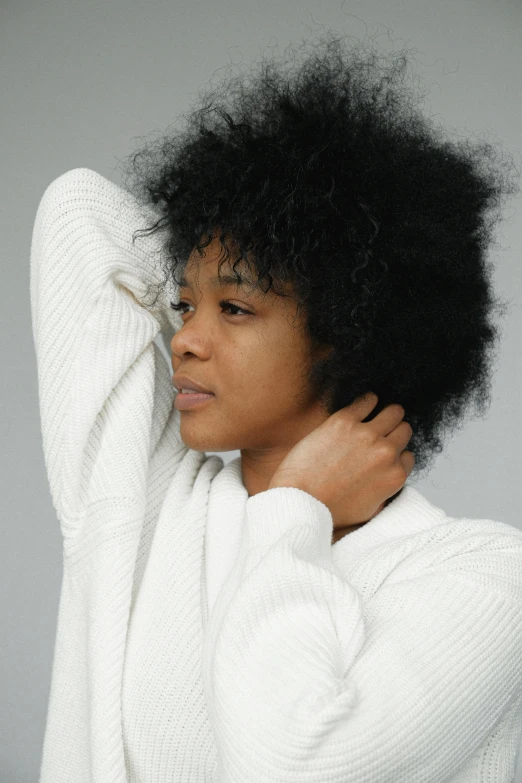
<point x="256" y="364"/>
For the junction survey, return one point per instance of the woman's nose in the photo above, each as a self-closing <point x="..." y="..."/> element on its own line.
<point x="190" y="339"/>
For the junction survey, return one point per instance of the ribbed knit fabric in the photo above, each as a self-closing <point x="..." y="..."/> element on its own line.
<point x="207" y="636"/>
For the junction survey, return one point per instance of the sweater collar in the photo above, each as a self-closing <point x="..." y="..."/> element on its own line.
<point x="410" y="512"/>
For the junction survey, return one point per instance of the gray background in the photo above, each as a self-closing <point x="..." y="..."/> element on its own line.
<point x="84" y="84"/>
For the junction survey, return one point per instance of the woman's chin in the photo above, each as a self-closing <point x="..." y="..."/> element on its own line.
<point x="197" y="442"/>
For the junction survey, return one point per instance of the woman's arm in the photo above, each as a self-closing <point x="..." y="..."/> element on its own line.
<point x="100" y="375"/>
<point x="398" y="676"/>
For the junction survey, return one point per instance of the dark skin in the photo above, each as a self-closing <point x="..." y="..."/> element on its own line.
<point x="256" y="366"/>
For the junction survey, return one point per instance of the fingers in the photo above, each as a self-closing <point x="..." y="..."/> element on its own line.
<point x="362" y="406"/>
<point x="387" y="423"/>
<point x="407" y="459"/>
<point x="401" y="435"/>
<point x="387" y="420"/>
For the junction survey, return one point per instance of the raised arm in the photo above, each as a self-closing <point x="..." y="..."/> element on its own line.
<point x="105" y="389"/>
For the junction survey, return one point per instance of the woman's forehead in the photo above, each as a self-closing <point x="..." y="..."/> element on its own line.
<point x="217" y="275"/>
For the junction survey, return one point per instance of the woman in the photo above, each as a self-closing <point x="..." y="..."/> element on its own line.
<point x="208" y="629"/>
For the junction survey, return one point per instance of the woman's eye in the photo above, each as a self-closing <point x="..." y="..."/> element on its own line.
<point x="178" y="307"/>
<point x="223" y="304"/>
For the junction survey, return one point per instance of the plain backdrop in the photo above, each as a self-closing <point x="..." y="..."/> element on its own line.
<point x="85" y="84"/>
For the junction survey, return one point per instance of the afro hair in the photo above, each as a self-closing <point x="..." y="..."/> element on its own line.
<point x="327" y="177"/>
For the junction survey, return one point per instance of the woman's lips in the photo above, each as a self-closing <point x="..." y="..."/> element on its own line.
<point x="184" y="402"/>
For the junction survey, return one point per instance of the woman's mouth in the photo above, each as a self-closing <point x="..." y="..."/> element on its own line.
<point x="188" y="399"/>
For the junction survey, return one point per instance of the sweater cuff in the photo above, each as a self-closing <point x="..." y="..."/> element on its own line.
<point x="270" y="514"/>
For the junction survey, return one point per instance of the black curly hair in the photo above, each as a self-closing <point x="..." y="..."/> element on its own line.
<point x="329" y="179"/>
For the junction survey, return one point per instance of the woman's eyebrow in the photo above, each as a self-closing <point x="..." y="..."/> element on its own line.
<point x="224" y="280"/>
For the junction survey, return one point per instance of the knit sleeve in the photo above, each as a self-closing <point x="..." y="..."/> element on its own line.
<point x="307" y="680"/>
<point x="105" y="390"/>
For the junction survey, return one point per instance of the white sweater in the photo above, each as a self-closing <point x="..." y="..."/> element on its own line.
<point x="207" y="636"/>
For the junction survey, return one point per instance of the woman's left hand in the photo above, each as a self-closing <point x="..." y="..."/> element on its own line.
<point x="351" y="466"/>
